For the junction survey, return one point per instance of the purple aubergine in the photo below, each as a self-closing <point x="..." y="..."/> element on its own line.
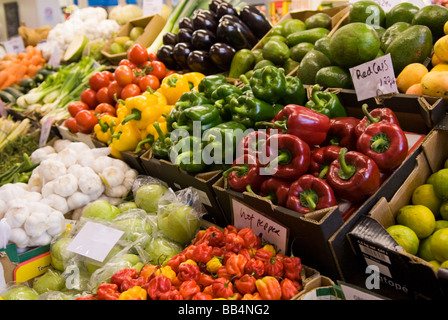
<point x="199" y="61"/>
<point x="186" y="22"/>
<point x="202" y="39"/>
<point x="222" y="55"/>
<point x="165" y="54"/>
<point x="181" y="52"/>
<point x="225" y="8"/>
<point x="202" y="21"/>
<point x="184" y="35"/>
<point x="255" y="20"/>
<point x="170" y="38"/>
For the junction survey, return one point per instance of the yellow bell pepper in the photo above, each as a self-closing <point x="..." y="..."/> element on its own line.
<point x="213" y="264"/>
<point x="173" y="86"/>
<point x="190" y="261"/>
<point x="167" y="272"/>
<point x="194" y="78"/>
<point x="135" y="293"/>
<point x="125" y="138"/>
<point x="105" y="127"/>
<point x="269" y="247"/>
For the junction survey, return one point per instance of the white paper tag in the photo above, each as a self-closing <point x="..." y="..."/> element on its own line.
<point x="3" y="112"/>
<point x="14" y="45"/>
<point x="151" y="7"/>
<point x="45" y="131"/>
<point x="267" y="229"/>
<point x="374" y="78"/>
<point x="55" y="58"/>
<point x="95" y="241"/>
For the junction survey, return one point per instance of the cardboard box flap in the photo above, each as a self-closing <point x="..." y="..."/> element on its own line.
<point x="381" y="212"/>
<point x="368" y="229"/>
<point x="434" y="140"/>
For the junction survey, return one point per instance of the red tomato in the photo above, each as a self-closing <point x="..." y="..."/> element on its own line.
<point x="152" y="56"/>
<point x="138" y="75"/>
<point x="114" y="90"/>
<point x="109" y="74"/>
<point x="89" y="97"/>
<point x="138" y="54"/>
<point x="102" y="96"/>
<point x="158" y="69"/>
<point x="70" y="124"/>
<point x="85" y="121"/>
<point x="130" y="90"/>
<point x="169" y="72"/>
<point x="123" y="75"/>
<point x="105" y="108"/>
<point x="98" y="80"/>
<point x="126" y="62"/>
<point x="74" y="107"/>
<point x="149" y="81"/>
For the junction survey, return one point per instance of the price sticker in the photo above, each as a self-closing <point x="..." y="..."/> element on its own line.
<point x="45" y="131"/>
<point x="374" y="78"/>
<point x="3" y="112"/>
<point x="55" y="58"/>
<point x="151" y="7"/>
<point x="265" y="228"/>
<point x="14" y="45"/>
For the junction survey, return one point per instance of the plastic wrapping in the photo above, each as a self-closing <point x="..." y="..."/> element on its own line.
<point x="147" y="193"/>
<point x="179" y="214"/>
<point x="18" y="292"/>
<point x="161" y="249"/>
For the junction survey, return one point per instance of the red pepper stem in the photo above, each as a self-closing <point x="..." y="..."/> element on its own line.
<point x="271" y="197"/>
<point x="284" y="157"/>
<point x="240" y="170"/>
<point x="323" y="172"/>
<point x="367" y="114"/>
<point x="276" y="124"/>
<point x="309" y="199"/>
<point x="380" y="143"/>
<point x="310" y="202"/>
<point x="346" y="171"/>
<point x="249" y="189"/>
<point x="135" y="115"/>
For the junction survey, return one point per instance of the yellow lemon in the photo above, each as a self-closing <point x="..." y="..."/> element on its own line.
<point x="405" y="237"/>
<point x="417" y="217"/>
<point x="425" y="195"/>
<point x="435" y="264"/>
<point x="440" y="224"/>
<point x="439" y="245"/>
<point x="444" y="264"/>
<point x="424" y="249"/>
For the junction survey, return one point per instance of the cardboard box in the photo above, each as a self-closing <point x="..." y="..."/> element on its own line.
<point x="152" y="25"/>
<point x="403" y="275"/>
<point x="178" y="179"/>
<point x="324" y="231"/>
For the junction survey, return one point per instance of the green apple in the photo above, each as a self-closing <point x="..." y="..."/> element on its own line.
<point x="52" y="280"/>
<point x="179" y="222"/>
<point x="125" y="206"/>
<point x="93" y="265"/>
<point x="121" y="40"/>
<point x="147" y="197"/>
<point x="134" y="228"/>
<point x="116" y="48"/>
<point x="20" y="293"/>
<point x="161" y="250"/>
<point x="60" y="254"/>
<point x="127" y="45"/>
<point x="135" y="33"/>
<point x="100" y="209"/>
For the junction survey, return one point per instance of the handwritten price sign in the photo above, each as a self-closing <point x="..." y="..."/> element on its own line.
<point x="374" y="78"/>
<point x="267" y="229"/>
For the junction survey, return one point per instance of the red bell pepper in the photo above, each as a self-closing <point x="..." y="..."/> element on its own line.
<point x="244" y="175"/>
<point x="276" y="190"/>
<point x="269" y="288"/>
<point x="212" y="236"/>
<point x="274" y="267"/>
<point x="235" y="265"/>
<point x="354" y="176"/>
<point x="87" y="297"/>
<point x="107" y="291"/>
<point x="202" y="253"/>
<point x="188" y="289"/>
<point x="310" y="193"/>
<point x="307" y="124"/>
<point x="290" y="156"/>
<point x="202" y="296"/>
<point x="188" y="271"/>
<point x="175" y="261"/>
<point x="120" y="276"/>
<point x="245" y="284"/>
<point x="321" y="159"/>
<point x="293" y="268"/>
<point x="223" y="273"/>
<point x="157" y="286"/>
<point x="385" y="143"/>
<point x="252" y="143"/>
<point x="205" y="280"/>
<point x="233" y="242"/>
<point x="222" y="288"/>
<point x="173" y="294"/>
<point x="254" y="267"/>
<point x="251" y="240"/>
<point x="374" y="116"/>
<point x="342" y="132"/>
<point x="263" y="255"/>
<point x="288" y="289"/>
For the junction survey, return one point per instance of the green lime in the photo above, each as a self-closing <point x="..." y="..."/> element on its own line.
<point x="444" y="264"/>
<point x="439" y="245"/>
<point x="116" y="48"/>
<point x="424" y="249"/>
<point x="431" y="178"/>
<point x="441" y="224"/>
<point x="435" y="264"/>
<point x="441" y="184"/>
<point x="405" y="237"/>
<point x="425" y="195"/>
<point x="417" y="217"/>
<point x="444" y="210"/>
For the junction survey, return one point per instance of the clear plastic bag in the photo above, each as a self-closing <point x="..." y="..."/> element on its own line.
<point x="179" y="214"/>
<point x="147" y="192"/>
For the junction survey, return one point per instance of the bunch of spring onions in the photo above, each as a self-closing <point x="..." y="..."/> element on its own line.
<point x="51" y="97"/>
<point x="11" y="130"/>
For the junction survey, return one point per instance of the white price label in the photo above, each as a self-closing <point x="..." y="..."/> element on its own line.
<point x="55" y="58"/>
<point x="94" y="241"/>
<point x="267" y="229"/>
<point x="45" y="131"/>
<point x="3" y="112"/>
<point x="14" y="45"/>
<point x="151" y="7"/>
<point x="374" y="78"/>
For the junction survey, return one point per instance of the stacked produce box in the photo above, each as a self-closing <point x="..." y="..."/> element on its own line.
<point x="217" y="153"/>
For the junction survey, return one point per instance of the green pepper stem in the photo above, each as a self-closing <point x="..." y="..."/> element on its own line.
<point x="323" y="172"/>
<point x="104" y="126"/>
<point x="367" y="114"/>
<point x="172" y="81"/>
<point x="276" y="124"/>
<point x="240" y="170"/>
<point x="284" y="157"/>
<point x="310" y="202"/>
<point x="249" y="189"/>
<point x="159" y="130"/>
<point x="176" y="126"/>
<point x="241" y="110"/>
<point x="380" y="143"/>
<point x="135" y="115"/>
<point x="244" y="79"/>
<point x="142" y="143"/>
<point x="114" y="136"/>
<point x="346" y="171"/>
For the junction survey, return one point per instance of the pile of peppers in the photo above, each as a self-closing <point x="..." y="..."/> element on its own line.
<point x="310" y="157"/>
<point x="140" y="120"/>
<point x="227" y="264"/>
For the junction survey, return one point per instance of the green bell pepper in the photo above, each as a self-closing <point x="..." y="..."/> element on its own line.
<point x="268" y="83"/>
<point x="187" y="154"/>
<point x="209" y="83"/>
<point x="191" y="99"/>
<point x="222" y="96"/>
<point x="295" y="93"/>
<point x="207" y="114"/>
<point x="161" y="147"/>
<point x="186" y="162"/>
<point x="326" y="103"/>
<point x="247" y="110"/>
